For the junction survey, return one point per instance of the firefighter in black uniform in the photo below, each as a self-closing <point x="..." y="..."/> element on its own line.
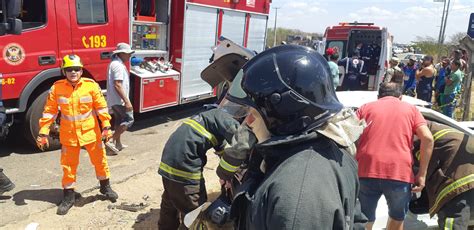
<point x="183" y="160"/>
<point x="310" y="181"/>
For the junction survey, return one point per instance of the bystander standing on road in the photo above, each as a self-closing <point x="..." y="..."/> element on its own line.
<point x="118" y="90"/>
<point x="334" y="69"/>
<point x="450" y="181"/>
<point x="384" y="154"/>
<point x="459" y="55"/>
<point x="80" y="102"/>
<point x="393" y="68"/>
<point x="424" y="78"/>
<point x="453" y="84"/>
<point x="409" y="84"/>
<point x="442" y="70"/>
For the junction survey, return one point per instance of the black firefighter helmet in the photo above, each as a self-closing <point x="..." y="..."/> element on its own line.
<point x="290" y="86"/>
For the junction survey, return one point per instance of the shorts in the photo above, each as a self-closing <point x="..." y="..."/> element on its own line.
<point x="122" y="117"/>
<point x="397" y="194"/>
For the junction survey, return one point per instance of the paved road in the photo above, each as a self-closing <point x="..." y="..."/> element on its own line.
<point x="37" y="175"/>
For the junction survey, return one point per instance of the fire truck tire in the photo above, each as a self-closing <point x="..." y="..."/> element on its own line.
<point x="34" y="113"/>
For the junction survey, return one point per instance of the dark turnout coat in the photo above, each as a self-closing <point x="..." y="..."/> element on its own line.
<point x="451" y="168"/>
<point x="184" y="154"/>
<point x="310" y="183"/>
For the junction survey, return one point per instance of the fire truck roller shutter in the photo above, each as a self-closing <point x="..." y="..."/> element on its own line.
<point x="233" y="26"/>
<point x="200" y="33"/>
<point x="257" y="31"/>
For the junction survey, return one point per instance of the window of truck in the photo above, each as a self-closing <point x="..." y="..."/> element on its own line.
<point x="33" y="14"/>
<point x="91" y="11"/>
<point x="340" y="47"/>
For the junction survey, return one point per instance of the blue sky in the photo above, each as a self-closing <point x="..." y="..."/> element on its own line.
<point x="405" y="19"/>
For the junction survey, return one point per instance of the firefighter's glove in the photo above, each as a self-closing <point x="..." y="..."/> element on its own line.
<point x="42" y="142"/>
<point x="227" y="168"/>
<point x="106" y="134"/>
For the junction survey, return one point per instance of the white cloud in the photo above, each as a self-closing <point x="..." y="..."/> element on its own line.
<point x="372" y="13"/>
<point x="297" y="5"/>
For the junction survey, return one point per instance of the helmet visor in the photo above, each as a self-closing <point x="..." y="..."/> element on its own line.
<point x="236" y="110"/>
<point x="237" y="94"/>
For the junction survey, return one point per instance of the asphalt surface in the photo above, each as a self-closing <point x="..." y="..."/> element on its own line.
<point x="37" y="175"/>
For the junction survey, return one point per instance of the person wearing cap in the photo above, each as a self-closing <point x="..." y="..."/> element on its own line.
<point x="333" y="58"/>
<point x="118" y="90"/>
<point x="409" y="83"/>
<point x="80" y="104"/>
<point x="393" y="68"/>
<point x="424" y="77"/>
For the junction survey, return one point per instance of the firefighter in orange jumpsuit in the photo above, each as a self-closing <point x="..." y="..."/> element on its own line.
<point x="80" y="102"/>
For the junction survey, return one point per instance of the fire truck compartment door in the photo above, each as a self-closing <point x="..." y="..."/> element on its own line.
<point x="233" y="26"/>
<point x="155" y="90"/>
<point x="223" y="69"/>
<point x="200" y="31"/>
<point x="257" y="31"/>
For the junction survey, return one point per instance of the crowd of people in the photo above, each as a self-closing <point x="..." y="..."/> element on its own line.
<point x="438" y="84"/>
<point x="296" y="159"/>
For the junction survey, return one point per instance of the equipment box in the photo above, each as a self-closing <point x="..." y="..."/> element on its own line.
<point x="155" y="90"/>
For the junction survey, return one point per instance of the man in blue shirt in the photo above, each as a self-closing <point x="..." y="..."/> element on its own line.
<point x="440" y="80"/>
<point x="410" y="78"/>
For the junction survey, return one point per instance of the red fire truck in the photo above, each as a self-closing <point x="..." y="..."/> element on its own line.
<point x="346" y="37"/>
<point x="178" y="33"/>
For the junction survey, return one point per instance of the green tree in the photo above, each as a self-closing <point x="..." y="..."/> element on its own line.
<point x="430" y="46"/>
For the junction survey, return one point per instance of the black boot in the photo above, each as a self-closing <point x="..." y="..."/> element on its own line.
<point x="107" y="190"/>
<point x="5" y="183"/>
<point x="67" y="203"/>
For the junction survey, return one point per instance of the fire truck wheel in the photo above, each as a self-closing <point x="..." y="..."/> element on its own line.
<point x="34" y="113"/>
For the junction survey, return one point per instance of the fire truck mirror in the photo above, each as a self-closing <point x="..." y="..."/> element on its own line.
<point x="10" y="24"/>
<point x="13" y="8"/>
<point x="15" y="25"/>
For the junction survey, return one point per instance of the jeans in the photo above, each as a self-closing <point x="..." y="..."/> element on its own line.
<point x="397" y="194"/>
<point x="448" y="103"/>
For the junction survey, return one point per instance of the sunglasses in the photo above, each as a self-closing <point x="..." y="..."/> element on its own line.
<point x="70" y="69"/>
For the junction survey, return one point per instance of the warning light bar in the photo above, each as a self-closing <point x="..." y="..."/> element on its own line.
<point x="356" y="23"/>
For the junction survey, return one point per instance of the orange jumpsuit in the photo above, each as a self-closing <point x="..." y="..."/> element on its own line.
<point x="79" y="108"/>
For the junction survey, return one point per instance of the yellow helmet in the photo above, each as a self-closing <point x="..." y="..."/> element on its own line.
<point x="71" y="60"/>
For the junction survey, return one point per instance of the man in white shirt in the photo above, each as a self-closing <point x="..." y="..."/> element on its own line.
<point x="118" y="89"/>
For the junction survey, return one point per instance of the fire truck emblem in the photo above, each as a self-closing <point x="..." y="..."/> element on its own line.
<point x="13" y="54"/>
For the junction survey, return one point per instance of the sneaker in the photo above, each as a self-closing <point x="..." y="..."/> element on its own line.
<point x="121" y="147"/>
<point x="110" y="145"/>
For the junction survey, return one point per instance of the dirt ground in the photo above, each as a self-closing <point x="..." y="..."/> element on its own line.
<point x="93" y="212"/>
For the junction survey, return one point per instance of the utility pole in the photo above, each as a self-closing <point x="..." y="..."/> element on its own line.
<point x="442" y="23"/>
<point x="275" y="26"/>
<point x="445" y="22"/>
